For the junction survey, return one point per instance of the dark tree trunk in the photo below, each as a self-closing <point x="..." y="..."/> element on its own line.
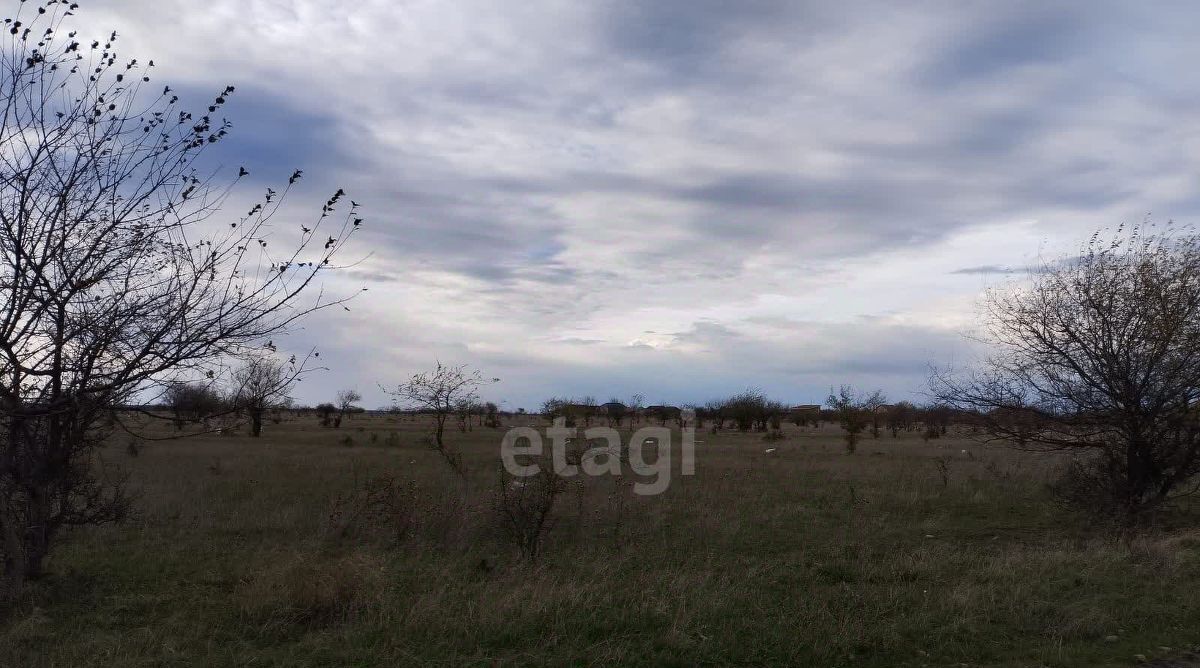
<point x="256" y="416"/>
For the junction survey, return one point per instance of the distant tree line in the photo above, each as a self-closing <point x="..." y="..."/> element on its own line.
<point x="752" y="410"/>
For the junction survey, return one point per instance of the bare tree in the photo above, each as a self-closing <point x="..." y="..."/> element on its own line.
<point x="900" y="417"/>
<point x="715" y="409"/>
<point x="463" y="410"/>
<point x="260" y="384"/>
<point x="192" y="402"/>
<point x="439" y="393"/>
<point x="874" y="405"/>
<point x="936" y="419"/>
<point x="114" y="275"/>
<point x="325" y="411"/>
<point x="345" y="403"/>
<point x="587" y="406"/>
<point x="1099" y="356"/>
<point x="491" y="415"/>
<point x="555" y="407"/>
<point x="850" y="409"/>
<point x="749" y="410"/>
<point x="615" y="411"/>
<point x="636" y="402"/>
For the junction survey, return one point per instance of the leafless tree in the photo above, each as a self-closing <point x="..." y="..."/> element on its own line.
<point x="491" y="415"/>
<point x="463" y="410"/>
<point x="773" y="412"/>
<point x="260" y="384"/>
<point x="615" y="411"/>
<point x="715" y="410"/>
<point x="326" y="411"/>
<point x="874" y="404"/>
<point x="524" y="508"/>
<point x="900" y="417"/>
<point x="115" y="276"/>
<point x="750" y="410"/>
<point x="589" y="409"/>
<point x="439" y="393"/>
<point x="345" y="403"/>
<point x="636" y="402"/>
<point x="1099" y="356"/>
<point x="851" y="411"/>
<point x="936" y="418"/>
<point x="555" y="407"/>
<point x="192" y="402"/>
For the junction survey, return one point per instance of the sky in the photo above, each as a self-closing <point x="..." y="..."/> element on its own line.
<point x="684" y="199"/>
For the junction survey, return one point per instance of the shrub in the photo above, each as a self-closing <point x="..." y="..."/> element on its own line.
<point x="523" y="509"/>
<point x="380" y="507"/>
<point x="326" y="411"/>
<point x="309" y="591"/>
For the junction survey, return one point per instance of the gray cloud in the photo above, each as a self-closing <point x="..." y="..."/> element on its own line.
<point x="983" y="269"/>
<point x="1032" y="35"/>
<point x="547" y="185"/>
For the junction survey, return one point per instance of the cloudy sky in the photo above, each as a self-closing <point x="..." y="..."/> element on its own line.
<point x="684" y="198"/>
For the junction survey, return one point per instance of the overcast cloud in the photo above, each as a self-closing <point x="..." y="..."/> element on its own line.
<point x="685" y="198"/>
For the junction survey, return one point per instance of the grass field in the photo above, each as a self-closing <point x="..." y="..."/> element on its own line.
<point x="907" y="553"/>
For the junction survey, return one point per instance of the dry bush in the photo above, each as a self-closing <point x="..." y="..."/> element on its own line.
<point x="311" y="591"/>
<point x="523" y="509"/>
<point x="1086" y="485"/>
<point x="611" y="515"/>
<point x="326" y="411"/>
<point x="943" y="467"/>
<point x="379" y="508"/>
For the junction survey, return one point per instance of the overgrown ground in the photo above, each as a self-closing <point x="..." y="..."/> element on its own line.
<point x="907" y="553"/>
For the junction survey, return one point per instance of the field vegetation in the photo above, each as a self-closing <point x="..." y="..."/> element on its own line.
<point x="356" y="546"/>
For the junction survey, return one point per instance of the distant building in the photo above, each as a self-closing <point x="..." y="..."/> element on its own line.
<point x="662" y="413"/>
<point x="804" y="413"/>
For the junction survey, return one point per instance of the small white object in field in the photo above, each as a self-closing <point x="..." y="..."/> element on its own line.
<point x="929" y="535"/>
<point x="769" y="450"/>
<point x="964" y="452"/>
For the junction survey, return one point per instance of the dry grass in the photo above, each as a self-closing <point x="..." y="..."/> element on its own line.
<point x="906" y="553"/>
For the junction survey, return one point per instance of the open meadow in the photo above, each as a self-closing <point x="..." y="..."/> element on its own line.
<point x="359" y="546"/>
<point x="878" y="313"/>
